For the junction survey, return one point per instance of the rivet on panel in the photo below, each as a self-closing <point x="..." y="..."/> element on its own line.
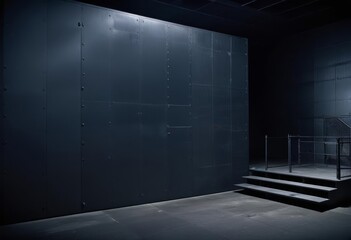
<point x="83" y="106"/>
<point x="82" y="88"/>
<point x="82" y="124"/>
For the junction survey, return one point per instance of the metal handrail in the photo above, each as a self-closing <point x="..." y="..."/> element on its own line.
<point x="338" y="141"/>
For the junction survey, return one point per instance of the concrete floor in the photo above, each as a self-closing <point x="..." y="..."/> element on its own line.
<point x="228" y="215"/>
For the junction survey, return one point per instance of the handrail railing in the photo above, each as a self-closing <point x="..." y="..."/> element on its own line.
<point x="326" y="140"/>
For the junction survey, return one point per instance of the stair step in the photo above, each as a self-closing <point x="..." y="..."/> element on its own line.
<point x="293" y="175"/>
<point x="282" y="193"/>
<point x="291" y="183"/>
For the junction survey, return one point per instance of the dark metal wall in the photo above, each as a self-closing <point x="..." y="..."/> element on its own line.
<point x="105" y="109"/>
<point x="307" y="79"/>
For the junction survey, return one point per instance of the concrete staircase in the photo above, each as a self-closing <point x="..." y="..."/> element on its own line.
<point x="315" y="193"/>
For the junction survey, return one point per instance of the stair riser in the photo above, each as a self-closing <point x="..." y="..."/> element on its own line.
<point x="309" y="191"/>
<point x="321" y="182"/>
<point x="291" y="201"/>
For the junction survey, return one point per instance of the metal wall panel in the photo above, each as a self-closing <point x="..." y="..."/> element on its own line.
<point x="201" y="38"/>
<point x="63" y="108"/>
<point x="96" y="51"/>
<point x="239" y="71"/>
<point x="240" y="151"/>
<point x="239" y="63"/>
<point x="125" y="109"/>
<point x="222" y="107"/>
<point x="179" y="116"/>
<point x="343" y="70"/>
<point x="324" y="109"/>
<point x="97" y="167"/>
<point x="342" y="89"/>
<point x="201" y="76"/>
<point x="1" y="117"/>
<point x="224" y="177"/>
<point x="153" y="151"/>
<point x="178" y="40"/>
<point x="201" y="65"/>
<point x="204" y="180"/>
<point x="239" y="45"/>
<point x="222" y="146"/>
<point x="202" y="123"/>
<point x="221" y="59"/>
<point x="180" y="164"/>
<point x="222" y="112"/>
<point x="222" y="42"/>
<point x="126" y="154"/>
<point x="342" y="107"/>
<point x="24" y="107"/>
<point x="222" y="125"/>
<point x="203" y="139"/>
<point x="221" y="68"/>
<point x="324" y="91"/>
<point x="324" y="73"/>
<point x="125" y="55"/>
<point x="240" y="110"/>
<point x="153" y="84"/>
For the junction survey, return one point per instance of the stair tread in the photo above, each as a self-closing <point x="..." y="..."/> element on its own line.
<point x="283" y="193"/>
<point x="291" y="183"/>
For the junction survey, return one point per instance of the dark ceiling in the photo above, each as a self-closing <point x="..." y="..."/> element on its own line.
<point x="260" y="20"/>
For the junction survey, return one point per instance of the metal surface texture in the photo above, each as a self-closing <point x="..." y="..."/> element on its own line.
<point x="153" y="58"/>
<point x="96" y="44"/>
<point x="126" y="153"/>
<point x="63" y="96"/>
<point x="97" y="156"/>
<point x="2" y="116"/>
<point x="24" y="106"/>
<point x="153" y="152"/>
<point x="107" y="109"/>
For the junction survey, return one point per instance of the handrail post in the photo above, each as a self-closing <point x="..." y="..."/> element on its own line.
<point x="299" y="150"/>
<point x="266" y="151"/>
<point x="338" y="164"/>
<point x="289" y="153"/>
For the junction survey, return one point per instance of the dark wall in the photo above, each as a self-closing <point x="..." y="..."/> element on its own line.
<point x="107" y="109"/>
<point x="307" y="78"/>
<point x="2" y="116"/>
